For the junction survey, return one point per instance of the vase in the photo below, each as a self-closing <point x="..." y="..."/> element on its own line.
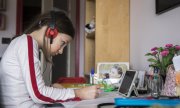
<point x="155" y="82"/>
<point x="157" y="86"/>
<point x="170" y="82"/>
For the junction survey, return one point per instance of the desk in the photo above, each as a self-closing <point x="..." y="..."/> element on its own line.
<point x="92" y="103"/>
<point x="88" y="103"/>
<point x="111" y="99"/>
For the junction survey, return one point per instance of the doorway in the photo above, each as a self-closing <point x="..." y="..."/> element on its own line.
<point x="31" y="8"/>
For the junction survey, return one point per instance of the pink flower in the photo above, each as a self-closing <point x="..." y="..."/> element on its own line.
<point x="154" y="52"/>
<point x="177" y="47"/>
<point x="169" y="45"/>
<point x="153" y="49"/>
<point x="164" y="53"/>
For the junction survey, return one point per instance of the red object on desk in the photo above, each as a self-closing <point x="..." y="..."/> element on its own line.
<point x="79" y="80"/>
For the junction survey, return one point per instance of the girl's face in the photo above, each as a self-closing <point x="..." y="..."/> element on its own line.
<point x="59" y="42"/>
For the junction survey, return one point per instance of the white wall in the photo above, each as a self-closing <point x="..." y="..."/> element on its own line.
<point x="10" y="23"/>
<point x="148" y="30"/>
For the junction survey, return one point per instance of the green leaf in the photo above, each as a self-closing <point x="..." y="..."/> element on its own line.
<point x="148" y="54"/>
<point x="160" y="49"/>
<point x="152" y="60"/>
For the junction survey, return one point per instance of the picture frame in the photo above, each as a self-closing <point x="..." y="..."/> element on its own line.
<point x="2" y="21"/>
<point x="111" y="70"/>
<point x="2" y="5"/>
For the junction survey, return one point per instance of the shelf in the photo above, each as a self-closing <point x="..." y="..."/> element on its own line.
<point x="90" y="35"/>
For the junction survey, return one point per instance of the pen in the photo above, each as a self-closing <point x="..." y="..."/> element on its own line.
<point x="92" y="76"/>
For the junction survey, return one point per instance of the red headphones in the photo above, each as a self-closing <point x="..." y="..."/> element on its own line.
<point x="52" y="31"/>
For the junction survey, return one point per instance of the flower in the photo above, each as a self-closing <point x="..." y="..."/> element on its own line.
<point x="161" y="57"/>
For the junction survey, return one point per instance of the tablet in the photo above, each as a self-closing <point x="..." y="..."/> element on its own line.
<point x="127" y="83"/>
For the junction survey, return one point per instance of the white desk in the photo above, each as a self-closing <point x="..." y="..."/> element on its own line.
<point x="88" y="103"/>
<point x="91" y="103"/>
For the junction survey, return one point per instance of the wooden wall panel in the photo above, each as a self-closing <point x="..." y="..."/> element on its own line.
<point x="112" y="31"/>
<point x="89" y="43"/>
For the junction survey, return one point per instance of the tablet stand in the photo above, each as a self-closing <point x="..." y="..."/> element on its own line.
<point x="134" y="91"/>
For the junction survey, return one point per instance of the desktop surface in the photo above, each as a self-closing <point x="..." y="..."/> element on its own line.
<point x="104" y="97"/>
<point x="93" y="103"/>
<point x="115" y="100"/>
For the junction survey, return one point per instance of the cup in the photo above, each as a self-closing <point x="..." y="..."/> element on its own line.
<point x="176" y="62"/>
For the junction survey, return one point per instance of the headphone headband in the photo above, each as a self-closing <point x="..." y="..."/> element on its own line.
<point x="52" y="31"/>
<point x="53" y="20"/>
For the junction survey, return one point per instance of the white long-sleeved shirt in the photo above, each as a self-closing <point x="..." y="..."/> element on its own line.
<point x="21" y="82"/>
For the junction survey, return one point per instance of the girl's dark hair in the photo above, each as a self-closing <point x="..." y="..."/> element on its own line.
<point x="62" y="22"/>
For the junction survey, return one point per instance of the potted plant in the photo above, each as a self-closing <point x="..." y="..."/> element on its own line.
<point x="161" y="57"/>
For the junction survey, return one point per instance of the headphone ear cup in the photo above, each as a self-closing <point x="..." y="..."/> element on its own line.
<point x="51" y="33"/>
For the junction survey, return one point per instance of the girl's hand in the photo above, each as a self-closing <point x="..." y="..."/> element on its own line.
<point x="90" y="92"/>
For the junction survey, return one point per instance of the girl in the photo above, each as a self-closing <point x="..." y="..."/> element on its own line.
<point x="21" y="81"/>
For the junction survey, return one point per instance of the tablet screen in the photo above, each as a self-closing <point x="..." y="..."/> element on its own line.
<point x="126" y="83"/>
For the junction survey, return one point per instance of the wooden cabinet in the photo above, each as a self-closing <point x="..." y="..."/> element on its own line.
<point x="111" y="42"/>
